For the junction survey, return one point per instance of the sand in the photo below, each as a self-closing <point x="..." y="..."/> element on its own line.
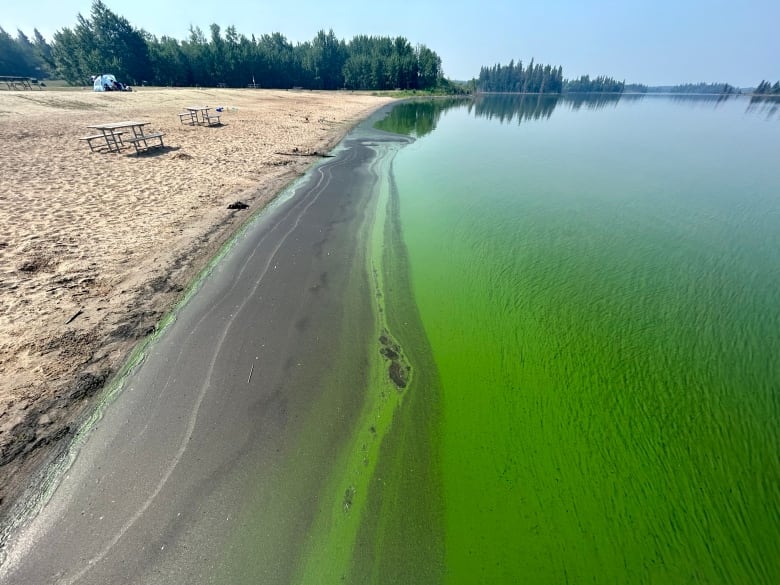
<point x="96" y="247"/>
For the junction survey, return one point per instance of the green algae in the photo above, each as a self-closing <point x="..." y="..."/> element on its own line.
<point x="401" y="538"/>
<point x="606" y="346"/>
<point x="381" y="520"/>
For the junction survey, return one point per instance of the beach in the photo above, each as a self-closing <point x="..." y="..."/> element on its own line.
<point x="96" y="247"/>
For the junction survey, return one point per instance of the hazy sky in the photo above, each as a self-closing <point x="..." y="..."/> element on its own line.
<point x="650" y="41"/>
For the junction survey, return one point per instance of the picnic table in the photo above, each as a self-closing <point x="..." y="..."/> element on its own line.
<point x="20" y="82"/>
<point x="195" y="115"/>
<point x="111" y="134"/>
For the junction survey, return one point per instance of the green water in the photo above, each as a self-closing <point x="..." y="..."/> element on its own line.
<point x="600" y="288"/>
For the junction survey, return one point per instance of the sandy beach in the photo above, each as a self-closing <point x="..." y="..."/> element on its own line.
<point x="96" y="247"/>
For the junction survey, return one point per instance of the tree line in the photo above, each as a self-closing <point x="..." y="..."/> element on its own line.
<point x="600" y="84"/>
<point x="696" y="88"/>
<point x="766" y="88"/>
<point x="538" y="78"/>
<point x="514" y="78"/>
<point x="106" y="42"/>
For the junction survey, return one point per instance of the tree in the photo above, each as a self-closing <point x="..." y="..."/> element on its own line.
<point x="122" y="50"/>
<point x="515" y="78"/>
<point x="601" y="84"/>
<point x="27" y="51"/>
<point x="68" y="55"/>
<point x="766" y="88"/>
<point x="169" y="63"/>
<point x="44" y="52"/>
<point x="195" y="51"/>
<point x="429" y="67"/>
<point x="326" y="60"/>
<point x="277" y="63"/>
<point x="18" y="56"/>
<point x="107" y="43"/>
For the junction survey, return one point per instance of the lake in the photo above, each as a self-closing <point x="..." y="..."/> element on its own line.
<point x="588" y="296"/>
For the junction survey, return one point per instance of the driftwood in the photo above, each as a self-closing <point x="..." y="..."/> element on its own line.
<point x="296" y="153"/>
<point x="73" y="318"/>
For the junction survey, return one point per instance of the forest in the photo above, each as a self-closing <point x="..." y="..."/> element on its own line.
<point x="696" y="88"/>
<point x="514" y="78"/>
<point x="105" y="42"/>
<point x="538" y="78"/>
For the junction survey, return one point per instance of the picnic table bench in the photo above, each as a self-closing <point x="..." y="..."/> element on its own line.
<point x="188" y="117"/>
<point x="211" y="119"/>
<point x="147" y="141"/>
<point x="101" y="138"/>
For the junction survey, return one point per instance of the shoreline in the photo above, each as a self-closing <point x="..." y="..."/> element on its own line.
<point x="227" y="412"/>
<point x="57" y="371"/>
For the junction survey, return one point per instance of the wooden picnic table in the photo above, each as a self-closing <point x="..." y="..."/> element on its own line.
<point x="195" y="115"/>
<point x="198" y="111"/>
<point x="14" y="82"/>
<point x="112" y="132"/>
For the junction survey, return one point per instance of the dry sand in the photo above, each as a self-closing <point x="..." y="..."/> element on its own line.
<point x="96" y="247"/>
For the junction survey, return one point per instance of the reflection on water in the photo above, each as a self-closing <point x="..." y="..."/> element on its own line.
<point x="419" y="118"/>
<point x="598" y="101"/>
<point x="507" y="107"/>
<point x="702" y="100"/>
<point x="766" y="105"/>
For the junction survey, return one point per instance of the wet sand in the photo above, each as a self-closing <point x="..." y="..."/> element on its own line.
<point x="96" y="247"/>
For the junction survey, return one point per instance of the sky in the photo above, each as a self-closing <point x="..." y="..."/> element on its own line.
<point x="655" y="42"/>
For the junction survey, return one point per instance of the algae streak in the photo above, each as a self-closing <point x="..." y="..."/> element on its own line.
<point x="380" y="519"/>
